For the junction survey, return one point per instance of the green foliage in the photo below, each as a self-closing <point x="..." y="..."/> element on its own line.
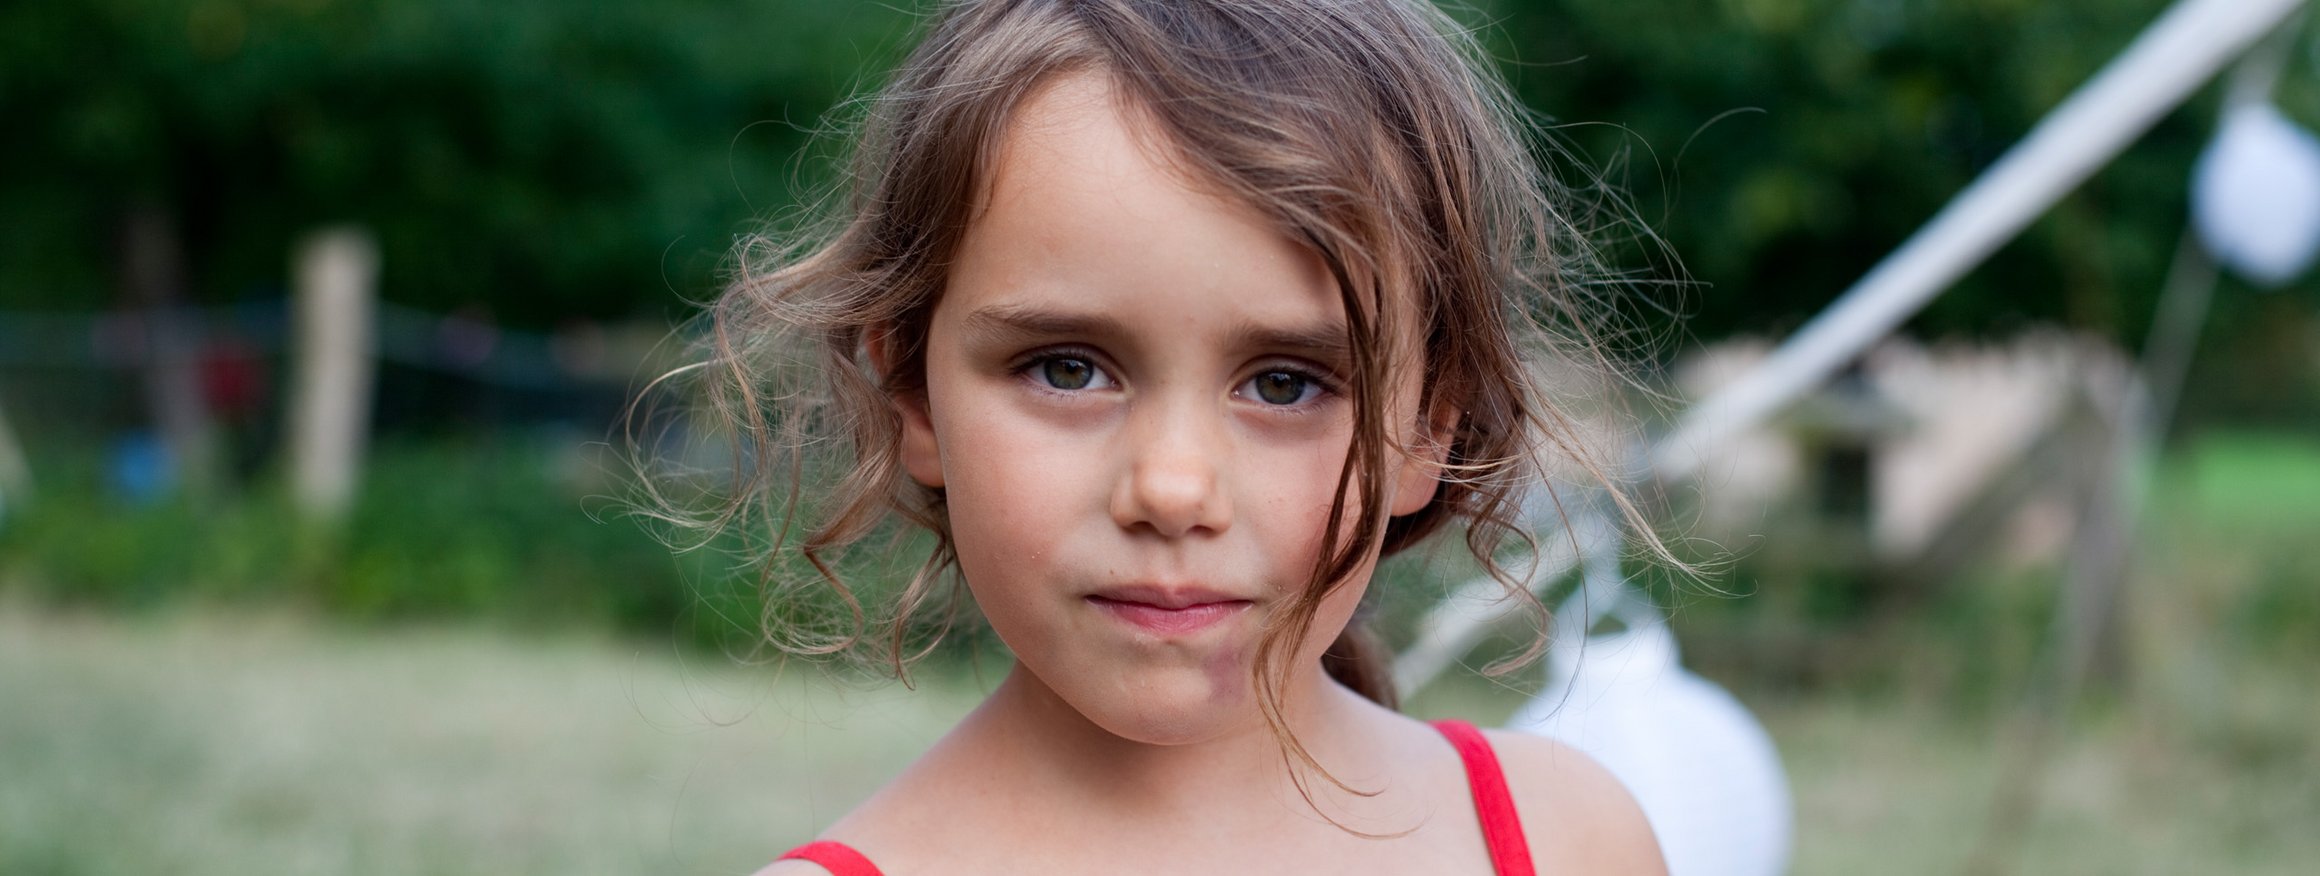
<point x="441" y="530"/>
<point x="510" y="531"/>
<point x="1781" y="147"/>
<point x="544" y="159"/>
<point x="2238" y="517"/>
<point x="547" y="160"/>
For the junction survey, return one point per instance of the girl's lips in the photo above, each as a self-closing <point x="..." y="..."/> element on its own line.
<point x="1187" y="618"/>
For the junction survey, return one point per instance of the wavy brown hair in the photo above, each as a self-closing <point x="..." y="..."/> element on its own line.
<point x="1365" y="129"/>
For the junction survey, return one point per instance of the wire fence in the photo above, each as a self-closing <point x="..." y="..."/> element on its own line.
<point x="465" y="344"/>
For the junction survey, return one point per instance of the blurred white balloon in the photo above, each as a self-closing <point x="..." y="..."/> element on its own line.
<point x="2255" y="195"/>
<point x="1702" y="768"/>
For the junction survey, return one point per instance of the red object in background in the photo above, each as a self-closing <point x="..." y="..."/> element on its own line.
<point x="233" y="378"/>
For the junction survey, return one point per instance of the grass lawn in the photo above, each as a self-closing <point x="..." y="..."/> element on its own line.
<point x="208" y="743"/>
<point x="219" y="744"/>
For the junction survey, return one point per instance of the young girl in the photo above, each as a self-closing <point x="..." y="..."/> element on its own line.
<point x="1167" y="319"/>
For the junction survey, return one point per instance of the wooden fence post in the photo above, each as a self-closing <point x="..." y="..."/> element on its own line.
<point x="336" y="273"/>
<point x="15" y="474"/>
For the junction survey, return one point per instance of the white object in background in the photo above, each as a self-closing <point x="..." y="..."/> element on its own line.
<point x="1702" y="768"/>
<point x="337" y="272"/>
<point x="2255" y="195"/>
<point x="15" y="475"/>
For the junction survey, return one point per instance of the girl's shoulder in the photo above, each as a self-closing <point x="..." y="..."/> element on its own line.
<point x="1577" y="817"/>
<point x="916" y="815"/>
<point x="792" y="867"/>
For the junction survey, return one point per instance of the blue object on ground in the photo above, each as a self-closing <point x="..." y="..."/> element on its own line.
<point x="139" y="468"/>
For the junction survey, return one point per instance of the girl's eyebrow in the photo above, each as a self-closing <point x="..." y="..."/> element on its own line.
<point x="1326" y="343"/>
<point x="1007" y="322"/>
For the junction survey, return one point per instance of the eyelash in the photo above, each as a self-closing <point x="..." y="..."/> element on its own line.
<point x="1029" y="364"/>
<point x="1323" y="385"/>
<point x="1326" y="384"/>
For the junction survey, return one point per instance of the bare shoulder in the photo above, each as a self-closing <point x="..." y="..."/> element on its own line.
<point x="825" y="855"/>
<point x="1578" y="817"/>
<point x="901" y="825"/>
<point x="792" y="867"/>
<point x="867" y="832"/>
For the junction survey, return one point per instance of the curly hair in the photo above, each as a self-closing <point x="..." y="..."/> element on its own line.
<point x="1368" y="130"/>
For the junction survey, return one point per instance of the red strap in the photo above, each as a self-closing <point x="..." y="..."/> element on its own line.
<point x="838" y="858"/>
<point x="1502" y="833"/>
<point x="1510" y="853"/>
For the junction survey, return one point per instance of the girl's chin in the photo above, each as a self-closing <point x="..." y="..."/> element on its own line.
<point x="1169" y="711"/>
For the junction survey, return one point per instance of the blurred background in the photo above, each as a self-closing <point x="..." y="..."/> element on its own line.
<point x="317" y="318"/>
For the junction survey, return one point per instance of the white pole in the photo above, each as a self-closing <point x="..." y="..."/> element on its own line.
<point x="2161" y="69"/>
<point x="15" y="473"/>
<point x="336" y="272"/>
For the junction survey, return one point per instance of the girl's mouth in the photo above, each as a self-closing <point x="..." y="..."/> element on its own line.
<point x="1176" y="618"/>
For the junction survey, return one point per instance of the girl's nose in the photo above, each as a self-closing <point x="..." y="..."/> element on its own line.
<point x="1172" y="481"/>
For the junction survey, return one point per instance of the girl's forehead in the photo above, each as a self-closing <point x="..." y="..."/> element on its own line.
<point x="1081" y="126"/>
<point x="1087" y="211"/>
<point x="1092" y="210"/>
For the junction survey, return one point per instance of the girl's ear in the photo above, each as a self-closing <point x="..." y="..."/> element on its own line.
<point x="1421" y="473"/>
<point x="921" y="455"/>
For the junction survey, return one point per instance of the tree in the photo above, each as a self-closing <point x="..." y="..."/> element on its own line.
<point x="544" y="160"/>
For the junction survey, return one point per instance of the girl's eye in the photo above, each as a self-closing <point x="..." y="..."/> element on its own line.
<point x="1283" y="387"/>
<point x="1065" y="372"/>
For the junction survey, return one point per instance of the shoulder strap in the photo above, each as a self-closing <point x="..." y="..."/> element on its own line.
<point x="838" y="858"/>
<point x="1502" y="833"/>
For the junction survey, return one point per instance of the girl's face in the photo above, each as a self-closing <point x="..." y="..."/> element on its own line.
<point x="1136" y="409"/>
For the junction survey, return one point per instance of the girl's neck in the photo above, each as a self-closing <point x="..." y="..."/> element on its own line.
<point x="1026" y="726"/>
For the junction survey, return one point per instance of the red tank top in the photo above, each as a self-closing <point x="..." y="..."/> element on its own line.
<point x="1510" y="854"/>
